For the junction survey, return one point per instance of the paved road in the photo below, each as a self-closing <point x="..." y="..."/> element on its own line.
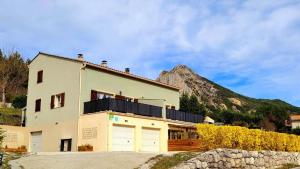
<point x="104" y="160"/>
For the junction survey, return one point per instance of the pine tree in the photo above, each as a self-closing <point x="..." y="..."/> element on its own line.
<point x="184" y="102"/>
<point x="194" y="105"/>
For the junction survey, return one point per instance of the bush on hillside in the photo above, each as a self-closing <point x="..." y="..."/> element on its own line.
<point x="296" y="131"/>
<point x="1" y="137"/>
<point x="236" y="137"/>
<point x="10" y="116"/>
<point x="19" y="102"/>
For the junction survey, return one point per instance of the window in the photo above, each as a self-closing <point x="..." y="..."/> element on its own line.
<point x="57" y="100"/>
<point x="65" y="144"/>
<point x="38" y="105"/>
<point x="175" y="134"/>
<point x="170" y="107"/>
<point x="95" y="95"/>
<point x="40" y="76"/>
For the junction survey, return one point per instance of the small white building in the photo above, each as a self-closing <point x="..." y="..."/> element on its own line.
<point x="294" y="121"/>
<point x="208" y="120"/>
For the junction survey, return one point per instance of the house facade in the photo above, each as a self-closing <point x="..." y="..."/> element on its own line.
<point x="294" y="121"/>
<point x="72" y="103"/>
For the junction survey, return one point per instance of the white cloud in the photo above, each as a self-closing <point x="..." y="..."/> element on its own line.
<point x="254" y="40"/>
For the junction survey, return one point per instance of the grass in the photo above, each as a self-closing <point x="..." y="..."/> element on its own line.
<point x="9" y="157"/>
<point x="288" y="166"/>
<point x="165" y="162"/>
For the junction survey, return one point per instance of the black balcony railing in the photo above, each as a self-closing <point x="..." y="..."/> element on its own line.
<point x="183" y="116"/>
<point x="124" y="106"/>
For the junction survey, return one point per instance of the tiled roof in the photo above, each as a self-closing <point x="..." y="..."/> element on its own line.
<point x="114" y="71"/>
<point x="295" y="117"/>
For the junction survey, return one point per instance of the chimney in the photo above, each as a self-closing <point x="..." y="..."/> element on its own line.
<point x="127" y="70"/>
<point x="80" y="57"/>
<point x="104" y="63"/>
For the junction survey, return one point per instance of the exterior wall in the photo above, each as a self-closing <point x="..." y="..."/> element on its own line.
<point x="68" y="122"/>
<point x="106" y="82"/>
<point x="58" y="76"/>
<point x="295" y="124"/>
<point x="53" y="133"/>
<point x="87" y="134"/>
<point x="15" y="136"/>
<point x="104" y="122"/>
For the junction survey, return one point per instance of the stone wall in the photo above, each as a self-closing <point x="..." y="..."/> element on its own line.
<point x="231" y="158"/>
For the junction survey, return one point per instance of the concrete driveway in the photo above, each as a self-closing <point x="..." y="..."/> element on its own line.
<point x="103" y="160"/>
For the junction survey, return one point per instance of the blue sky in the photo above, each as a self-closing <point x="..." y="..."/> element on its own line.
<point x="251" y="47"/>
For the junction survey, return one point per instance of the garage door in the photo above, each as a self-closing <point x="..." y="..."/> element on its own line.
<point x="150" y="140"/>
<point x="122" y="138"/>
<point x="36" y="141"/>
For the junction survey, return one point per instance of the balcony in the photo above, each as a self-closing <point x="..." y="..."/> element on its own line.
<point x="183" y="116"/>
<point x="123" y="106"/>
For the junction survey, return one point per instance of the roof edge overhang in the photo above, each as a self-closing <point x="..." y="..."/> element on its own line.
<point x="111" y="71"/>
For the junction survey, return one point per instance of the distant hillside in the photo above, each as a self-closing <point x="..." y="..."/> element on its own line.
<point x="216" y="97"/>
<point x="229" y="107"/>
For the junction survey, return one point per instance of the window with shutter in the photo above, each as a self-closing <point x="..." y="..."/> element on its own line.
<point x="57" y="101"/>
<point x="93" y="95"/>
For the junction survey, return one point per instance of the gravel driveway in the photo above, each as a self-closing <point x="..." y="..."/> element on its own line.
<point x="103" y="160"/>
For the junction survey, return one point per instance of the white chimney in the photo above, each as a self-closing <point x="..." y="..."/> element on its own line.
<point x="104" y="63"/>
<point x="80" y="57"/>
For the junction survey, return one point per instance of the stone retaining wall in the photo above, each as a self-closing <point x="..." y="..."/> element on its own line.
<point x="231" y="158"/>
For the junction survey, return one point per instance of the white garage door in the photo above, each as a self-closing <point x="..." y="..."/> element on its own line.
<point x="36" y="141"/>
<point x="150" y="140"/>
<point x="122" y="138"/>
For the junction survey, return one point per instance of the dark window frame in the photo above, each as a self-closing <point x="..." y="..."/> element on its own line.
<point x="40" y="75"/>
<point x="62" y="142"/>
<point x="38" y="105"/>
<point x="95" y="95"/>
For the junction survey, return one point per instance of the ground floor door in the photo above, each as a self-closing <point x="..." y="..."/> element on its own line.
<point x="65" y="144"/>
<point x="150" y="140"/>
<point x="122" y="138"/>
<point x="36" y="141"/>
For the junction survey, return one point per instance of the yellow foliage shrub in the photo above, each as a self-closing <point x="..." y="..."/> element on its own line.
<point x="237" y="137"/>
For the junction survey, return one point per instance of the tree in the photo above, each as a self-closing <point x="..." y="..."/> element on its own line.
<point x="195" y="107"/>
<point x="19" y="101"/>
<point x="191" y="104"/>
<point x="4" y="75"/>
<point x="1" y="137"/>
<point x="13" y="75"/>
<point x="184" y="102"/>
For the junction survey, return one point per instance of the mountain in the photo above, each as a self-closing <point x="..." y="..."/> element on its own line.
<point x="214" y="96"/>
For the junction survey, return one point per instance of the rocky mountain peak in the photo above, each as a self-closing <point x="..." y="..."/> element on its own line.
<point x="211" y="94"/>
<point x="182" y="69"/>
<point x="190" y="83"/>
